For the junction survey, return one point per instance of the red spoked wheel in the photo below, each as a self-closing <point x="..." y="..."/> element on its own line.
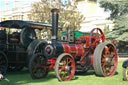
<point x="95" y="37"/>
<point x="65" y="67"/>
<point x="105" y="59"/>
<point x="35" y="66"/>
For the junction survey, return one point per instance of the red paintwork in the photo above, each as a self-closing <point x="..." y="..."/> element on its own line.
<point x="92" y="61"/>
<point x="82" y="51"/>
<point x="87" y="40"/>
<point x="14" y="39"/>
<point x="81" y="48"/>
<point x="52" y="62"/>
<point x="75" y="50"/>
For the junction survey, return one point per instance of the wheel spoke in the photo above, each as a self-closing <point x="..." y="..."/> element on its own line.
<point x="113" y="61"/>
<point x="105" y="56"/>
<point x="64" y="75"/>
<point x="34" y="70"/>
<point x="107" y="51"/>
<point x="103" y="61"/>
<point x="100" y="37"/>
<point x="112" y="54"/>
<point x="68" y="61"/>
<point x="62" y="67"/>
<point x="96" y="33"/>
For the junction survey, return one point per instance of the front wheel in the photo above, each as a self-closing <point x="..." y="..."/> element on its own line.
<point x="105" y="59"/>
<point x="125" y="74"/>
<point x="65" y="67"/>
<point x="37" y="66"/>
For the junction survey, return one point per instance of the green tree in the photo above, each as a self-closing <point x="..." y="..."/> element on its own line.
<point x="68" y="15"/>
<point x="106" y="29"/>
<point x="119" y="14"/>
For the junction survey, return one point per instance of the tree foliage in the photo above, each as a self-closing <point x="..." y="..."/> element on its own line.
<point x="119" y="14"/>
<point x="106" y="29"/>
<point x="68" y="15"/>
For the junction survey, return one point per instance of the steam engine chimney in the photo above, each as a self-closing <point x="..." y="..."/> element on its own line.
<point x="55" y="16"/>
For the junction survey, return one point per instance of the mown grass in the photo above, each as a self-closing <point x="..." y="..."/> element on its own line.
<point x="89" y="78"/>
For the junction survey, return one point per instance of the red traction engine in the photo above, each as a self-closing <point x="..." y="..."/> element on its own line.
<point x="71" y="55"/>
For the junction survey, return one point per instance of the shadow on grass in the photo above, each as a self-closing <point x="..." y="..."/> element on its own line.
<point x="23" y="77"/>
<point x="90" y="72"/>
<point x="116" y="73"/>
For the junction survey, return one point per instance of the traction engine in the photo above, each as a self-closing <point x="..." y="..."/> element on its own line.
<point x="72" y="55"/>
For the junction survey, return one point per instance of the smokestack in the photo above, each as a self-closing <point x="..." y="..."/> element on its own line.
<point x="55" y="16"/>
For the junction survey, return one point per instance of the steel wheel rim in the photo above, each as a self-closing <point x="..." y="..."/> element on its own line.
<point x="66" y="68"/>
<point x="109" y="60"/>
<point x="36" y="70"/>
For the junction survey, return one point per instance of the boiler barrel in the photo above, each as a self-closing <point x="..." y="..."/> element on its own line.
<point x="74" y="49"/>
<point x="55" y="49"/>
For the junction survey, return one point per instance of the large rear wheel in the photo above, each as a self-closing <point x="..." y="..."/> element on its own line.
<point x="105" y="59"/>
<point x="35" y="46"/>
<point x="36" y="64"/>
<point x="65" y="67"/>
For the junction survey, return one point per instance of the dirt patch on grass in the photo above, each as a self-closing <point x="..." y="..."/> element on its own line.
<point x="122" y="58"/>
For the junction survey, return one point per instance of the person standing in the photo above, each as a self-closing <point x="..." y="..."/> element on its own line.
<point x="2" y="38"/>
<point x="2" y="41"/>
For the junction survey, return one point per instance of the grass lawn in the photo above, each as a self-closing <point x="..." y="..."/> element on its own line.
<point x="23" y="78"/>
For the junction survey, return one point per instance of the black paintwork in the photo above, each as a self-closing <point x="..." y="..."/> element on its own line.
<point x="19" y="24"/>
<point x="57" y="50"/>
<point x="54" y="24"/>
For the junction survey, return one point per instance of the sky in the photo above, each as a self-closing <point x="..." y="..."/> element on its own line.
<point x="21" y="2"/>
<point x="11" y="3"/>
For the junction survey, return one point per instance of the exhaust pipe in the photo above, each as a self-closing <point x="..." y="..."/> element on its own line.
<point x="55" y="16"/>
